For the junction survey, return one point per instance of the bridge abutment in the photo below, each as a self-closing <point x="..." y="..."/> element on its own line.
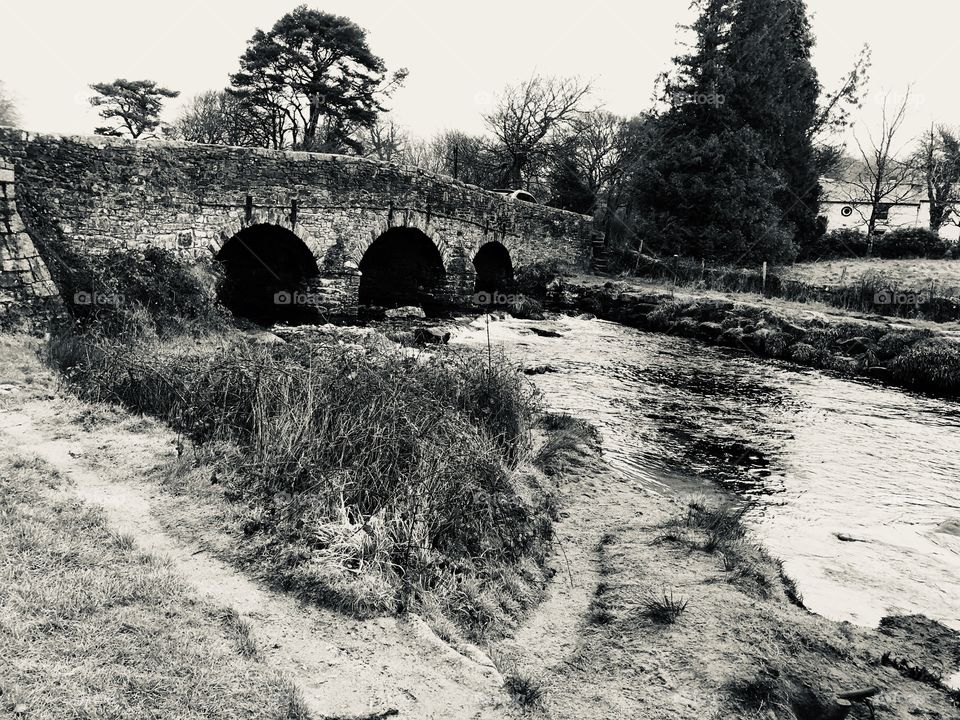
<point x="26" y="288"/>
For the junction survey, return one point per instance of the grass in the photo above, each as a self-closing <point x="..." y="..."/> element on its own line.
<point x="917" y="273"/>
<point x="858" y="291"/>
<point x="363" y="478"/>
<point x="524" y="689"/>
<point x="567" y="445"/>
<point x="664" y="608"/>
<point x="90" y="626"/>
<point x="719" y="529"/>
<point x="601" y="611"/>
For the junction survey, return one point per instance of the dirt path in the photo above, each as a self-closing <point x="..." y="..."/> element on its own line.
<point x="346" y="668"/>
<point x="592" y="504"/>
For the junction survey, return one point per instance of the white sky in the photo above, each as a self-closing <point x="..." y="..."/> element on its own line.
<point x="459" y="54"/>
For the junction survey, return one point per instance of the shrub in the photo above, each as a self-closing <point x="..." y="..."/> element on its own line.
<point x="533" y="279"/>
<point x="839" y="243"/>
<point x="910" y="243"/>
<point x="932" y="365"/>
<point x="123" y="292"/>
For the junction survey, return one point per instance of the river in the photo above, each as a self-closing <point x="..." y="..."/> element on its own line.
<point x="821" y="458"/>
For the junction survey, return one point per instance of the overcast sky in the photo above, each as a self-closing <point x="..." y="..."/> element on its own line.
<point x="459" y="54"/>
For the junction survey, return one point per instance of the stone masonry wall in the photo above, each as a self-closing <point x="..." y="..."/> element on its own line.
<point x="100" y="193"/>
<point x="25" y="284"/>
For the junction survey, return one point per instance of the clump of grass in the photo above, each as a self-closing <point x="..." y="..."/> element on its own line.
<point x="932" y="364"/>
<point x="124" y="541"/>
<point x="524" y="689"/>
<point x="723" y="523"/>
<point x="242" y="632"/>
<point x="790" y="588"/>
<point x="568" y="442"/>
<point x="358" y="475"/>
<point x="721" y="530"/>
<point x="600" y="612"/>
<point x="664" y="608"/>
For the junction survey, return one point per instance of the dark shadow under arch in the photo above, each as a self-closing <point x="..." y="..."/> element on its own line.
<point x="402" y="267"/>
<point x="265" y="269"/>
<point x="494" y="269"/>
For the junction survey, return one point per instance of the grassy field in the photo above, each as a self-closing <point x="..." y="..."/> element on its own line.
<point x="90" y="626"/>
<point x="917" y="273"/>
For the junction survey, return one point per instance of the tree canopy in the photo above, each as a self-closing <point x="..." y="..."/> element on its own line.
<point x="313" y="81"/>
<point x="735" y="176"/>
<point x="133" y="106"/>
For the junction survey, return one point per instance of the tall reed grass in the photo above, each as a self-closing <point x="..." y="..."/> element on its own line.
<point x="360" y="475"/>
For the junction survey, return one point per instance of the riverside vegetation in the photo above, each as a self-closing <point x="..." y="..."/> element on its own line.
<point x="360" y="475"/>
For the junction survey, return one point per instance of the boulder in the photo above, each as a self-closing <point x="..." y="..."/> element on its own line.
<point x="431" y="336"/>
<point x="857" y="345"/>
<point x="407" y="311"/>
<point x="538" y="369"/>
<point x="542" y="332"/>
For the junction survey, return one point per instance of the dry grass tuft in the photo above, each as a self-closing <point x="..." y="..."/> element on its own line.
<point x="664" y="608"/>
<point x="524" y="689"/>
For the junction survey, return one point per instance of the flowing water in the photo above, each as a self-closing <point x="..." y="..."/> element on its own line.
<point x="856" y="486"/>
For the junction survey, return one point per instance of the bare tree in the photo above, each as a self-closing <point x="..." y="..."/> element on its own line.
<point x="833" y="115"/>
<point x="8" y="111"/>
<point x="882" y="179"/>
<point x="527" y="118"/>
<point x="385" y="140"/>
<point x="938" y="162"/>
<point x="217" y="117"/>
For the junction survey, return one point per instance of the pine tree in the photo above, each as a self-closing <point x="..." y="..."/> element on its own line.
<point x="774" y="91"/>
<point x="708" y="190"/>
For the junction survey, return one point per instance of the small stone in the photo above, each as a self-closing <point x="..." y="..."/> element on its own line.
<point x="431" y="336"/>
<point x="542" y="332"/>
<point x="539" y="369"/>
<point x="407" y="311"/>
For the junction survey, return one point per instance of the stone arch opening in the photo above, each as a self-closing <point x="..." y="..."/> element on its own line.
<point x="403" y="267"/>
<point x="266" y="269"/>
<point x="494" y="269"/>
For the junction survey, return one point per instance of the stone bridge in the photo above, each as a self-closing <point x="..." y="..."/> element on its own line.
<point x="289" y="228"/>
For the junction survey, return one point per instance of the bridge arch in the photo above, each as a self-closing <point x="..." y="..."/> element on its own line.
<point x="494" y="268"/>
<point x="269" y="216"/>
<point x="402" y="267"/>
<point x="266" y="268"/>
<point x="402" y="218"/>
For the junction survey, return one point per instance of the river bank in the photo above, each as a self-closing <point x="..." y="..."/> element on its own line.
<point x="595" y="646"/>
<point x="917" y="355"/>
